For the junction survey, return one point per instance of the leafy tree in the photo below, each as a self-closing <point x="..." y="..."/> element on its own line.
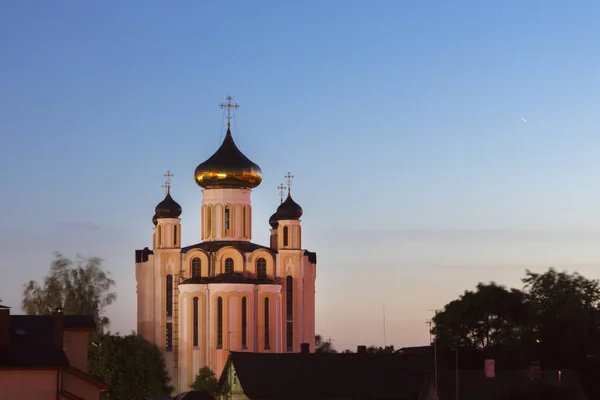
<point x="554" y="319"/>
<point x="206" y="381"/>
<point x="80" y="287"/>
<point x="133" y="367"/>
<point x="322" y="346"/>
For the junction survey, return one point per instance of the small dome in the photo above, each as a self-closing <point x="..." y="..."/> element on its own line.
<point x="289" y="209"/>
<point x="228" y="168"/>
<point x="155" y="220"/>
<point x="168" y="208"/>
<point x="273" y="221"/>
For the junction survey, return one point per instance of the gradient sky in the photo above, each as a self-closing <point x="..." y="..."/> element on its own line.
<point x="401" y="121"/>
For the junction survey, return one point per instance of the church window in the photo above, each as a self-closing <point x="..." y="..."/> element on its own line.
<point x="285" y="235"/>
<point x="289" y="306"/>
<point x="175" y="235"/>
<point x="229" y="265"/>
<point x="209" y="221"/>
<point x="169" y="295"/>
<point x="245" y="221"/>
<point x="261" y="268"/>
<point x="195" y="322"/>
<point x="244" y="323"/>
<point x="267" y="347"/>
<point x="289" y="337"/>
<point x="219" y="323"/>
<point x="196" y="267"/>
<point x="227" y="218"/>
<point x="159" y="236"/>
<point x="169" y="336"/>
<point x="289" y="297"/>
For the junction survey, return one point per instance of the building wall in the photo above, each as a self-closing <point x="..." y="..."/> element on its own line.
<point x="80" y="387"/>
<point x="28" y="384"/>
<point x="75" y="344"/>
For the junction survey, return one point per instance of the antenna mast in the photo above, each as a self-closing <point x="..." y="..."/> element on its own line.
<point x="384" y="336"/>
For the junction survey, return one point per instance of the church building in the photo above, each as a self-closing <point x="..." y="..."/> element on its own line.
<point x="200" y="302"/>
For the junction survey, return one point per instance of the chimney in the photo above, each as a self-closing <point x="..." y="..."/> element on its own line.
<point x="4" y="327"/>
<point x="304" y="348"/>
<point x="58" y="328"/>
<point x="489" y="368"/>
<point x="361" y="349"/>
<point x="535" y="370"/>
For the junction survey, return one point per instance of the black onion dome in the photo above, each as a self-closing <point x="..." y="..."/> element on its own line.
<point x="168" y="208"/>
<point x="155" y="220"/>
<point x="289" y="209"/>
<point x="228" y="168"/>
<point x="273" y="221"/>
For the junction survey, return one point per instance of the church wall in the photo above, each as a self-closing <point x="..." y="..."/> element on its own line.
<point x="214" y="204"/>
<point x="144" y="273"/>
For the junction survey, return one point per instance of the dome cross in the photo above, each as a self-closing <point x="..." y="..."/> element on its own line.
<point x="288" y="179"/>
<point x="281" y="190"/>
<point x="167" y="185"/>
<point x="229" y="106"/>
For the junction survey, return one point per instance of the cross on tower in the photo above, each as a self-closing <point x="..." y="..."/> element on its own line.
<point x="167" y="186"/>
<point x="288" y="179"/>
<point x="229" y="106"/>
<point x="281" y="190"/>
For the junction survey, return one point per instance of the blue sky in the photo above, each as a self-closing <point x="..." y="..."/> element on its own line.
<point x="401" y="120"/>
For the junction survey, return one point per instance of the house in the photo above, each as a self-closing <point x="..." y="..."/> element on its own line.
<point x="308" y="375"/>
<point x="489" y="384"/>
<point x="44" y="357"/>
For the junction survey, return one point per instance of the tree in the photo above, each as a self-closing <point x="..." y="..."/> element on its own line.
<point x="322" y="346"/>
<point x="80" y="287"/>
<point x="206" y="381"/>
<point x="554" y="319"/>
<point x="133" y="367"/>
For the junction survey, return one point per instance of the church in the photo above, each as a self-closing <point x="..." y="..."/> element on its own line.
<point x="199" y="302"/>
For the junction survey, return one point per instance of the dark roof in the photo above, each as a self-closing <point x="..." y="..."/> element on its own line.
<point x="194" y="395"/>
<point x="212" y="247"/>
<point x="168" y="208"/>
<point x="142" y="255"/>
<point x="32" y="344"/>
<point x="326" y="375"/>
<point x="289" y="209"/>
<point x="231" y="277"/>
<point x="31" y="341"/>
<point x="273" y="221"/>
<point x="474" y="385"/>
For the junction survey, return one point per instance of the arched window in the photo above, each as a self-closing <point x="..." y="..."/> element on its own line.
<point x="175" y="235"/>
<point x="209" y="221"/>
<point x="195" y="322"/>
<point x="244" y="323"/>
<point x="159" y="236"/>
<point x="227" y="218"/>
<point x="169" y="295"/>
<point x="196" y="267"/>
<point x="285" y="235"/>
<point x="229" y="265"/>
<point x="219" y="323"/>
<point x="289" y="305"/>
<point x="267" y="346"/>
<point x="245" y="221"/>
<point x="261" y="268"/>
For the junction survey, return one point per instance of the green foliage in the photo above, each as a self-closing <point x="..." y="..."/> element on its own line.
<point x="133" y="367"/>
<point x="206" y="381"/>
<point x="322" y="346"/>
<point x="554" y="319"/>
<point x="81" y="287"/>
